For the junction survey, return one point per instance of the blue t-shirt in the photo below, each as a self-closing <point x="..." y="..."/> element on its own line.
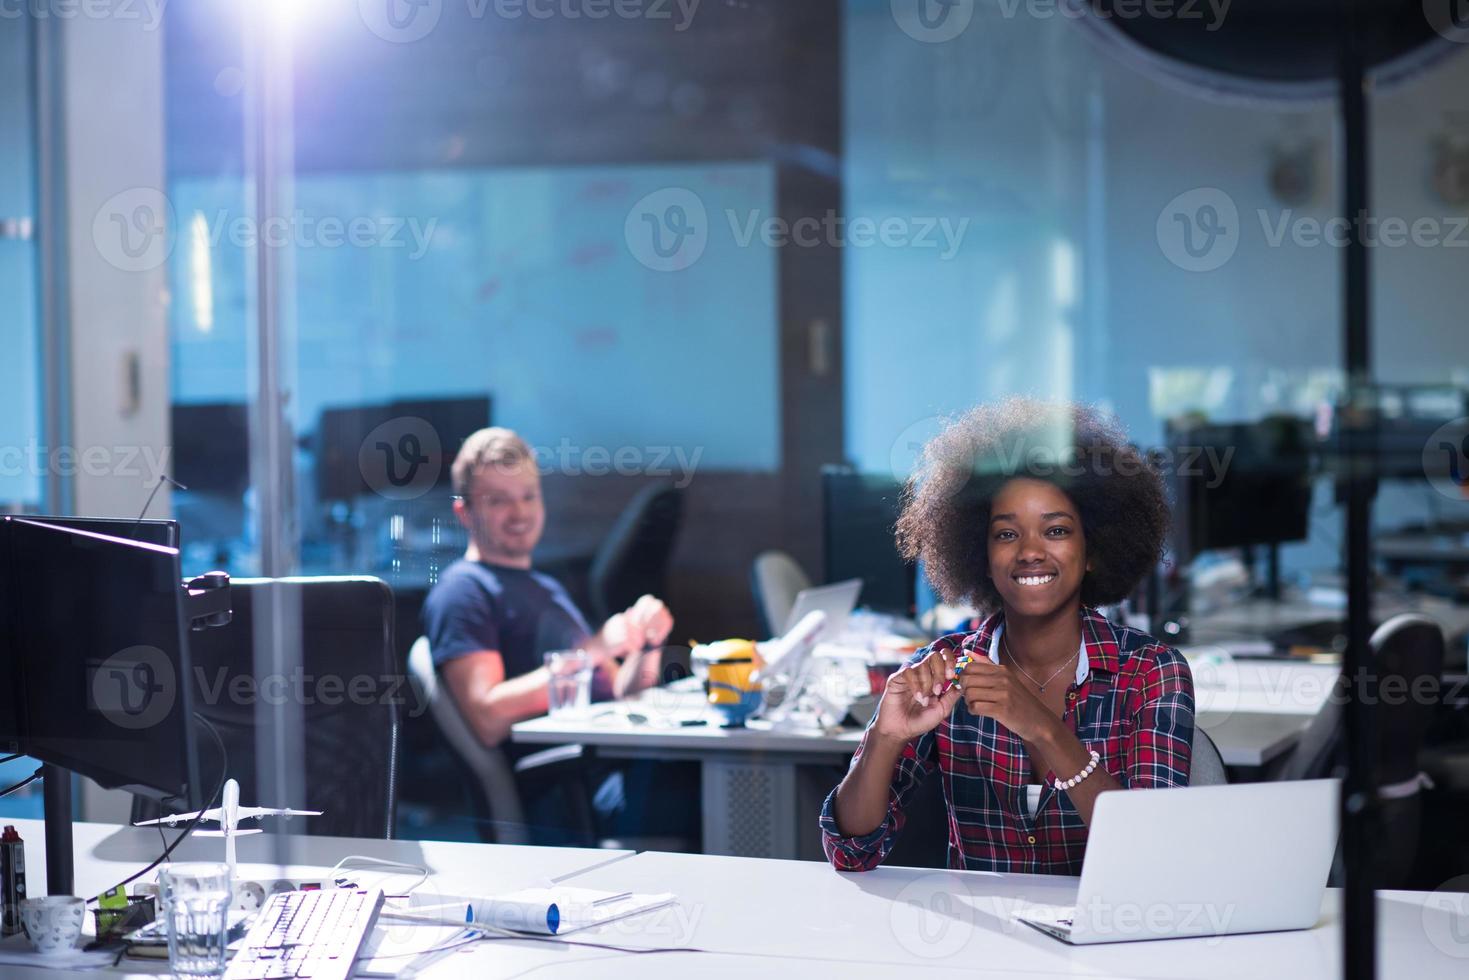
<point x="519" y="612"/>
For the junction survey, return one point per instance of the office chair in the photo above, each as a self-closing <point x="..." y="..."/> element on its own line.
<point x="353" y="691"/>
<point x="496" y="783"/>
<point x="1206" y="766"/>
<point x="775" y="580"/>
<point x="488" y="767"/>
<point x="633" y="558"/>
<point x="1406" y="649"/>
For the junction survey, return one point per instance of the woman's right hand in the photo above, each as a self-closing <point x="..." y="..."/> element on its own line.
<point x="917" y="697"/>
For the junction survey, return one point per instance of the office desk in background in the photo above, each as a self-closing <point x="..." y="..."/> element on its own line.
<point x="780" y="919"/>
<point x="754" y="803"/>
<point x="750" y="789"/>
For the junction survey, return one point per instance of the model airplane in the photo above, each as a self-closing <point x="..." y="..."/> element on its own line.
<point x="228" y="815"/>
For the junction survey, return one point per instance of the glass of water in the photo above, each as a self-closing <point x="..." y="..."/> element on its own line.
<point x="196" y="900"/>
<point x="570" y="688"/>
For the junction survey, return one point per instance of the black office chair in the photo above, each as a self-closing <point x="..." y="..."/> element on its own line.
<point x="354" y="692"/>
<point x="1406" y="650"/>
<point x="633" y="558"/>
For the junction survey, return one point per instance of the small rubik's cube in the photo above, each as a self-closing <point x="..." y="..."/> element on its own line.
<point x="964" y="661"/>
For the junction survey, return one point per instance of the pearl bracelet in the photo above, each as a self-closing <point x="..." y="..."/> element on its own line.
<point x="1091" y="767"/>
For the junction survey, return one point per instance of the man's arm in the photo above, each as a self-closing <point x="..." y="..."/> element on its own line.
<point x="489" y="702"/>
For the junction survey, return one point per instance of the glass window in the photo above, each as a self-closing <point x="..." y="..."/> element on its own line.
<point x="22" y="469"/>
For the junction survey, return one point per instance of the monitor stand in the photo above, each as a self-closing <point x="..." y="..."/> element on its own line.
<point x="56" y="795"/>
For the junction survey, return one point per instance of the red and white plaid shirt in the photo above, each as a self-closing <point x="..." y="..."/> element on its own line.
<point x="1134" y="707"/>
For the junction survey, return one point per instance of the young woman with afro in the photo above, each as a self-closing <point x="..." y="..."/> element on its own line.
<point x="1038" y="513"/>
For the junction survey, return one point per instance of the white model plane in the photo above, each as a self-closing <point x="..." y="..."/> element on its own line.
<point x="228" y="815"/>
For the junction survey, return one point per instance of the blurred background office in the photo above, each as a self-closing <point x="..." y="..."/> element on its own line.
<point x="751" y="250"/>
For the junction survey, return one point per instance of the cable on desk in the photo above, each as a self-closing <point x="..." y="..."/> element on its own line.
<point x="488" y="932"/>
<point x="418" y="869"/>
<point x="213" y="801"/>
<point x="23" y="783"/>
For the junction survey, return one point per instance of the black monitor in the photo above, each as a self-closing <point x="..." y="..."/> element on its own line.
<point x="859" y="520"/>
<point x="1240" y="484"/>
<point x="1403" y="446"/>
<point x="211" y="447"/>
<point x="96" y="653"/>
<point x="346" y="635"/>
<point x="341" y="433"/>
<point x="165" y="533"/>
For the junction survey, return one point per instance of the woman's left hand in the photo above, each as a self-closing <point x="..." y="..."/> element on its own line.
<point x="996" y="691"/>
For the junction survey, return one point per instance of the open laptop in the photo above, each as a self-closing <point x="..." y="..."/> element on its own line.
<point x="836" y="600"/>
<point x="1201" y="861"/>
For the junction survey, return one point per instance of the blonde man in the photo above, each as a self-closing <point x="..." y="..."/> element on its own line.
<point x="491" y="618"/>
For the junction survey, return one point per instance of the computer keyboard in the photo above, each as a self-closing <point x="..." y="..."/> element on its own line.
<point x="307" y="934"/>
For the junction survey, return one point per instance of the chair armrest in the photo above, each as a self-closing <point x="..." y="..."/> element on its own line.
<point x="556" y="755"/>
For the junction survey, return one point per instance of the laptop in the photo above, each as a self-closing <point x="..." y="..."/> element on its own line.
<point x="836" y="600"/>
<point x="1200" y="861"/>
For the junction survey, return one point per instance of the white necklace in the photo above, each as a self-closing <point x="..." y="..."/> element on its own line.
<point x="1040" y="685"/>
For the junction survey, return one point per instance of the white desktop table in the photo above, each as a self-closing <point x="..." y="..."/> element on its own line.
<point x="802" y="919"/>
<point x="779" y="913"/>
<point x="105" y="854"/>
<point x="748" y="778"/>
<point x="1255" y="709"/>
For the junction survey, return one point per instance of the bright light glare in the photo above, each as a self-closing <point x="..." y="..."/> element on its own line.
<point x="201" y="282"/>
<point x="288" y="15"/>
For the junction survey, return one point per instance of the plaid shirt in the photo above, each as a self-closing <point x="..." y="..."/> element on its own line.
<point x="1135" y="708"/>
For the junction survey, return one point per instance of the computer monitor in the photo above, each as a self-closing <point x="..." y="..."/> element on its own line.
<point x="211" y="451"/>
<point x="165" y="533"/>
<point x="346" y="634"/>
<point x="96" y="654"/>
<point x="342" y="431"/>
<point x="1240" y="484"/>
<point x="859" y="520"/>
<point x="1403" y="446"/>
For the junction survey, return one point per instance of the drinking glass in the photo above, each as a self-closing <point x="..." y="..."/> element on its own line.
<point x="570" y="688"/>
<point x="196" y="900"/>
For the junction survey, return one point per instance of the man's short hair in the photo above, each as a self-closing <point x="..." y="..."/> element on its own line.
<point x="494" y="446"/>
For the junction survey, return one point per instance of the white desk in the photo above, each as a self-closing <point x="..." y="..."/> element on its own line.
<point x="748" y="780"/>
<point x="1255" y="710"/>
<point x="105" y="854"/>
<point x="787" y="911"/>
<point x="800" y="919"/>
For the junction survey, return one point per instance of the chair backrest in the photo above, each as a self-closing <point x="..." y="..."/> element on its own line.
<point x="775" y="580"/>
<point x="633" y="558"/>
<point x="491" y="770"/>
<point x="1405" y="650"/>
<point x="1410" y="649"/>
<point x="350" y="689"/>
<point x="1206" y="765"/>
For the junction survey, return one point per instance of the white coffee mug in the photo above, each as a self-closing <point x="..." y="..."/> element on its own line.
<point x="53" y="923"/>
